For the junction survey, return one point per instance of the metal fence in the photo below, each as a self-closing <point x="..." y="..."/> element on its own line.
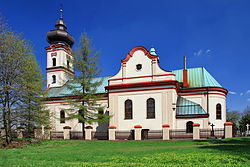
<point x="219" y="133"/>
<point x="180" y="134"/>
<point x="124" y="135"/>
<point x="76" y="135"/>
<point x="98" y="135"/>
<point x="152" y="135"/>
<point x="55" y="135"/>
<point x="205" y="133"/>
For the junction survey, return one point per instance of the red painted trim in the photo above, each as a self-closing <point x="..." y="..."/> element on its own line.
<point x="188" y="90"/>
<point x="196" y="124"/>
<point x="143" y="90"/>
<point x="53" y="69"/>
<point x="165" y="125"/>
<point x="88" y="127"/>
<point x="228" y="123"/>
<point x="132" y="51"/>
<point x="66" y="127"/>
<point x="180" y="117"/>
<point x="52" y="46"/>
<point x="142" y="84"/>
<point x="137" y="126"/>
<point x="112" y="127"/>
<point x="193" y="94"/>
<point x="146" y="76"/>
<point x="185" y="78"/>
<point x="60" y="70"/>
<point x="61" y="50"/>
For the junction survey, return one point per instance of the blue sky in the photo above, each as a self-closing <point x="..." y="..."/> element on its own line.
<point x="214" y="34"/>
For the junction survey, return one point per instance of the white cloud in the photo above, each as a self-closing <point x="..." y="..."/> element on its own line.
<point x="241" y="94"/>
<point x="202" y="52"/>
<point x="232" y="93"/>
<point x="248" y="92"/>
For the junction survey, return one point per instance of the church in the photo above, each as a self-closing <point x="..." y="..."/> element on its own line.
<point x="141" y="93"/>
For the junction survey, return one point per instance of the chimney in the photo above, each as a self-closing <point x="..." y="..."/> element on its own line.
<point x="185" y="73"/>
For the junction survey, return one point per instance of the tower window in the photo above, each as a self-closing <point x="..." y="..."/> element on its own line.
<point x="218" y="111"/>
<point x="150" y="108"/>
<point x="62" y="116"/>
<point x="54" y="61"/>
<point x="53" y="79"/>
<point x="128" y="109"/>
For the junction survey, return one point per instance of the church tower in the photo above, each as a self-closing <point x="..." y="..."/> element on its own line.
<point x="59" y="55"/>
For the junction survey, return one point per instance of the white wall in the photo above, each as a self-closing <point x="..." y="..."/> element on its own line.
<point x="55" y="109"/>
<point x="140" y="111"/>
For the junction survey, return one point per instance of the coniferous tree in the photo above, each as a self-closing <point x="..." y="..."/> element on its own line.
<point x="85" y="84"/>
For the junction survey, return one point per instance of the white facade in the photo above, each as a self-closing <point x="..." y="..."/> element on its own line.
<point x="139" y="79"/>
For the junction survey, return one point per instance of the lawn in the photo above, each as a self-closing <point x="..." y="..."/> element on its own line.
<point x="226" y="152"/>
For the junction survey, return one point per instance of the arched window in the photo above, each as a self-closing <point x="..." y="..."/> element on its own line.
<point x="62" y="116"/>
<point x="53" y="79"/>
<point x="189" y="127"/>
<point x="128" y="109"/>
<point x="54" y="61"/>
<point x="218" y="111"/>
<point x="151" y="108"/>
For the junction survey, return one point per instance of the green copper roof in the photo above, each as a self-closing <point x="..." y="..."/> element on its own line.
<point x="186" y="107"/>
<point x="197" y="77"/>
<point x="65" y="91"/>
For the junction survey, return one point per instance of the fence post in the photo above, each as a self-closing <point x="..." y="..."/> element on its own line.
<point x="38" y="133"/>
<point x="88" y="132"/>
<point x="19" y="132"/>
<point x="138" y="132"/>
<point x="47" y="133"/>
<point x="112" y="130"/>
<point x="66" y="132"/>
<point x="228" y="127"/>
<point x="196" y="131"/>
<point x="165" y="132"/>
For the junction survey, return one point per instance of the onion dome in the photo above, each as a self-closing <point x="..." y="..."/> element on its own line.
<point x="60" y="35"/>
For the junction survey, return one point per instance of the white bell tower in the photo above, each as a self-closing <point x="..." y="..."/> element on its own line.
<point x="59" y="55"/>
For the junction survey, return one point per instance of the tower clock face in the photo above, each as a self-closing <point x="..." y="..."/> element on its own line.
<point x="53" y="54"/>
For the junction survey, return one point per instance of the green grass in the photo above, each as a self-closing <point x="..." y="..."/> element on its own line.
<point x="226" y="152"/>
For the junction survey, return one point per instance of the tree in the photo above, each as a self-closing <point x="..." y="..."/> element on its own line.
<point x="20" y="82"/>
<point x="245" y="119"/>
<point x="234" y="117"/>
<point x="85" y="84"/>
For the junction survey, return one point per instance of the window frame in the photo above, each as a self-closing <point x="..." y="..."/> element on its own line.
<point x="54" y="62"/>
<point x="128" y="109"/>
<point x="218" y="111"/>
<point x="53" y="79"/>
<point x="62" y="116"/>
<point x="150" y="108"/>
